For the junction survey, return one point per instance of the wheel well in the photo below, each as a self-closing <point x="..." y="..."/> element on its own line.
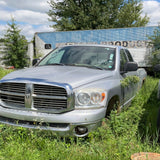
<point x="113" y="102"/>
<point x="143" y="81"/>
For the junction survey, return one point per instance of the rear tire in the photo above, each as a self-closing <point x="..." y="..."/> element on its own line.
<point x="158" y="124"/>
<point x="158" y="93"/>
<point x="158" y="119"/>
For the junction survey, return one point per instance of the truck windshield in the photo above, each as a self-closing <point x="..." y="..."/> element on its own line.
<point x="87" y="56"/>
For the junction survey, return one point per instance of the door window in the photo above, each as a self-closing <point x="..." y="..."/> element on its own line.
<point x="123" y="59"/>
<point x="129" y="55"/>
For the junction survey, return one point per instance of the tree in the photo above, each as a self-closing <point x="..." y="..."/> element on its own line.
<point x="1" y="40"/>
<point x="155" y="43"/>
<point x="96" y="14"/>
<point x="130" y="15"/>
<point x="16" y="47"/>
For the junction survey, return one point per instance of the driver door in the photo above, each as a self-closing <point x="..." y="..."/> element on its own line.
<point x="128" y="91"/>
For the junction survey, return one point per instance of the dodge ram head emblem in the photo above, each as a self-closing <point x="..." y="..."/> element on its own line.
<point x="28" y="95"/>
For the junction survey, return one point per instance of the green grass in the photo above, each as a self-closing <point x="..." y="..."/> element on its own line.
<point x="3" y="72"/>
<point x="133" y="130"/>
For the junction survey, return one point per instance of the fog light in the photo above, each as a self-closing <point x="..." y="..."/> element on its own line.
<point x="80" y="130"/>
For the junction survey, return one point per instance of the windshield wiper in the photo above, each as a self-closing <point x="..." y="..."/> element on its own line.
<point x="77" y="65"/>
<point x="84" y="65"/>
<point x="60" y="64"/>
<point x="95" y="67"/>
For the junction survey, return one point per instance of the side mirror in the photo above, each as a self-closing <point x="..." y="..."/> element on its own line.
<point x="34" y="61"/>
<point x="130" y="66"/>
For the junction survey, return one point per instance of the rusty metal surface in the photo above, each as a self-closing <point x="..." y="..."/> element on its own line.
<point x="145" y="156"/>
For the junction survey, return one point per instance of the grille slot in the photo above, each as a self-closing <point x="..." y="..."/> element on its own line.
<point x="49" y="103"/>
<point x="12" y="99"/>
<point x="13" y="87"/>
<point x="49" y="90"/>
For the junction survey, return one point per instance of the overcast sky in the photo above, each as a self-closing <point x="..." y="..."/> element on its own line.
<point x="31" y="15"/>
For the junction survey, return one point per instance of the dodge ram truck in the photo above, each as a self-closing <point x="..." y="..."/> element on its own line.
<point x="70" y="90"/>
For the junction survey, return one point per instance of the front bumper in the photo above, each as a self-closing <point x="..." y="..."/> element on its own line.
<point x="63" y="124"/>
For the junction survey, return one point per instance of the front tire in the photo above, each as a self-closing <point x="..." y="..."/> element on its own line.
<point x="113" y="104"/>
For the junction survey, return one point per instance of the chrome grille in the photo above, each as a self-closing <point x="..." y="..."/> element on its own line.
<point x="43" y="98"/>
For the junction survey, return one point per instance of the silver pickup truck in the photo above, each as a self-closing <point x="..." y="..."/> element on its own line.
<point x="70" y="90"/>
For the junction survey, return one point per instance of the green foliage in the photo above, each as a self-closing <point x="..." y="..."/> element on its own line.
<point x="96" y="14"/>
<point x="148" y="122"/>
<point x="130" y="15"/>
<point x="123" y="134"/>
<point x="155" y="39"/>
<point x="129" y="80"/>
<point x="142" y="114"/>
<point x="155" y="42"/>
<point x="1" y="40"/>
<point x="3" y="72"/>
<point x="17" y="47"/>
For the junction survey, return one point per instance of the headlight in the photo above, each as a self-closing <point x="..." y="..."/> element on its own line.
<point x="96" y="97"/>
<point x="83" y="98"/>
<point x="90" y="97"/>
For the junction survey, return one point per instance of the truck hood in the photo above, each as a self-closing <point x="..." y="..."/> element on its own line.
<point x="75" y="76"/>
